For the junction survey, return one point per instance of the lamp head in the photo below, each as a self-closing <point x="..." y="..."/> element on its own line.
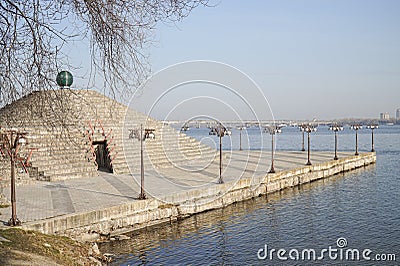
<point x="64" y="79"/>
<point x="22" y="141"/>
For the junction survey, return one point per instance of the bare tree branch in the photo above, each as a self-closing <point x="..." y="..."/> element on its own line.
<point x="33" y="35"/>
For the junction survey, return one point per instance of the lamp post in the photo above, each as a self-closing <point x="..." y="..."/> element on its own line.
<point x="240" y="137"/>
<point x="12" y="141"/>
<point x="142" y="136"/>
<point x="372" y="127"/>
<point x="185" y="127"/>
<point x="308" y="128"/>
<point x="356" y="127"/>
<point x="302" y="129"/>
<point x="272" y="130"/>
<point x="335" y="127"/>
<point x="220" y="131"/>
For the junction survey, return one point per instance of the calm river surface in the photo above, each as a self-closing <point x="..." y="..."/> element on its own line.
<point x="361" y="206"/>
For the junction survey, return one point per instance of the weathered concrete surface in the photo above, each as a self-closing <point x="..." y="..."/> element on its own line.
<point x="171" y="205"/>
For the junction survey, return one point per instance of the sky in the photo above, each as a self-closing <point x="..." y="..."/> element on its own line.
<point x="312" y="58"/>
<point x="322" y="59"/>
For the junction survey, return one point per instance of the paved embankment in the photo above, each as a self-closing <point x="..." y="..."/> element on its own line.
<point x="108" y="204"/>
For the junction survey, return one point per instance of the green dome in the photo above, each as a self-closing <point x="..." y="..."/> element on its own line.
<point x="64" y="79"/>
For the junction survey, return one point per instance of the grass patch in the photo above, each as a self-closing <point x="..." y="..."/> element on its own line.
<point x="28" y="245"/>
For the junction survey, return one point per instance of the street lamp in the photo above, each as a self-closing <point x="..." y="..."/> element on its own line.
<point x="142" y="136"/>
<point x="335" y="127"/>
<point x="185" y="127"/>
<point x="308" y="128"/>
<point x="272" y="130"/>
<point x="302" y="129"/>
<point x="356" y="127"/>
<point x="220" y="131"/>
<point x="12" y="141"/>
<point x="240" y="138"/>
<point x="372" y="127"/>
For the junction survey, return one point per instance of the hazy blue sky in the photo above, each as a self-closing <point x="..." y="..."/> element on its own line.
<point x="312" y="58"/>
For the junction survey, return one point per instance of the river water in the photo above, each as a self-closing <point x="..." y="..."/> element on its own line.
<point x="339" y="217"/>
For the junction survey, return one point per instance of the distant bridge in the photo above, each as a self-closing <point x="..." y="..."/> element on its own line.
<point x="263" y="123"/>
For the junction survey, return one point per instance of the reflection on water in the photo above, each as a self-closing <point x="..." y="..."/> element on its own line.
<point x="361" y="206"/>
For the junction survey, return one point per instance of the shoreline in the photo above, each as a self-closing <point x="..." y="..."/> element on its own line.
<point x="131" y="216"/>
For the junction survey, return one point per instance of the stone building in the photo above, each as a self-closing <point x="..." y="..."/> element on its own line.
<point x="76" y="133"/>
<point x="384" y="116"/>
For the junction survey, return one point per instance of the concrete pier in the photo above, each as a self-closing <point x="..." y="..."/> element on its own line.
<point x="108" y="203"/>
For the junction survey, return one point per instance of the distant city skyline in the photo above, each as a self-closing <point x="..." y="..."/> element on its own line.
<point x="389" y="115"/>
<point x="312" y="59"/>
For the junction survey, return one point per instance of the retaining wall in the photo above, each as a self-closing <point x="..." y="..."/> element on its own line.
<point x="141" y="213"/>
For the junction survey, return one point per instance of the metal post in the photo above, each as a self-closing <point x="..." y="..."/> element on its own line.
<point x="372" y="136"/>
<point x="308" y="156"/>
<point x="335" y="158"/>
<point x="240" y="148"/>
<point x="14" y="220"/>
<point x="302" y="144"/>
<point x="356" y="142"/>
<point x="142" y="193"/>
<point x="272" y="170"/>
<point x="220" y="181"/>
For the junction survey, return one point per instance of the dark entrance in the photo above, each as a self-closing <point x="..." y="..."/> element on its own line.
<point x="102" y="156"/>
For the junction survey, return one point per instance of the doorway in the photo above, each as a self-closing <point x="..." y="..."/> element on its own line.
<point x="102" y="156"/>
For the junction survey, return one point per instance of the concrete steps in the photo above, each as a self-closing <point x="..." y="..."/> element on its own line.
<point x="66" y="152"/>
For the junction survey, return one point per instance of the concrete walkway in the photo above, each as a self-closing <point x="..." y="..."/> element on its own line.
<point x="41" y="200"/>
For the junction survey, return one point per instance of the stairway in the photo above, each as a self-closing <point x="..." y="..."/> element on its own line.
<point x="63" y="126"/>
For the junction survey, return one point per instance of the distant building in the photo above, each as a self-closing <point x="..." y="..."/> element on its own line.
<point x="384" y="116"/>
<point x="398" y="114"/>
